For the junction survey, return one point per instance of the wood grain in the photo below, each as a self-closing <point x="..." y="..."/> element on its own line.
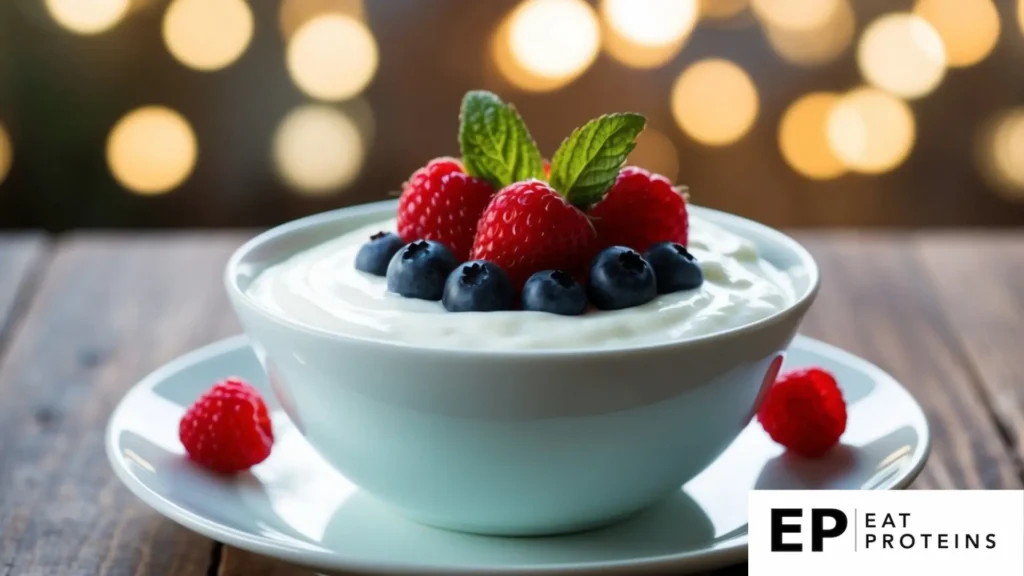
<point x="109" y="310"/>
<point x="877" y="301"/>
<point x="20" y="257"/>
<point x="979" y="279"/>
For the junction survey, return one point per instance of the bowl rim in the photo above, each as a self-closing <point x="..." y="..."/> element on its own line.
<point x="734" y="223"/>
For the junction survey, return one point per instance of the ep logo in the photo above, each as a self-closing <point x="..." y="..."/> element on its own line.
<point x="788" y="524"/>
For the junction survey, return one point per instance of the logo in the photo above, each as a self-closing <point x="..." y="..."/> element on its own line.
<point x="857" y="532"/>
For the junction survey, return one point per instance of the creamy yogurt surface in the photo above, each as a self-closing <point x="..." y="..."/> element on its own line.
<point x="322" y="289"/>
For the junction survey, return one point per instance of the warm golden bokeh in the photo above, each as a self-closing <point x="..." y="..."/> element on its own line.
<point x="332" y="57"/>
<point x="295" y="13"/>
<point x="646" y="33"/>
<point x="655" y="152"/>
<point x="87" y="16"/>
<point x="803" y="137"/>
<point x="902" y="54"/>
<point x="151" y="150"/>
<point x="318" y="150"/>
<point x="871" y="131"/>
<point x="969" y="29"/>
<point x="1020" y="14"/>
<point x="651" y="22"/>
<point x="795" y="14"/>
<point x="722" y="9"/>
<point x="553" y="39"/>
<point x="815" y="46"/>
<point x="715" y="102"/>
<point x="1001" y="153"/>
<point x="6" y="154"/>
<point x="207" y="34"/>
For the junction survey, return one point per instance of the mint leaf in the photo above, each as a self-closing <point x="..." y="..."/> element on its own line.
<point x="494" y="141"/>
<point x="586" y="164"/>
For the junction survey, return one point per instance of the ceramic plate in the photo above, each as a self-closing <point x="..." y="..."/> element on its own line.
<point x="295" y="507"/>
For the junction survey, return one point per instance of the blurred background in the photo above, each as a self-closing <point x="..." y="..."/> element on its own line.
<point x="800" y="113"/>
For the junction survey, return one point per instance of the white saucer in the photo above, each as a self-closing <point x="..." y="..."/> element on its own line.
<point x="294" y="507"/>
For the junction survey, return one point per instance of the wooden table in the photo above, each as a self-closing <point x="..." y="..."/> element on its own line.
<point x="84" y="316"/>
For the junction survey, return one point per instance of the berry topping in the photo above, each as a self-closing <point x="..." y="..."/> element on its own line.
<point x="621" y="278"/>
<point x="556" y="292"/>
<point x="441" y="202"/>
<point x="805" y="412"/>
<point x="674" y="267"/>
<point x="374" y="256"/>
<point x="529" y="227"/>
<point x="419" y="270"/>
<point x="640" y="209"/>
<point x="478" y="286"/>
<point x="227" y="429"/>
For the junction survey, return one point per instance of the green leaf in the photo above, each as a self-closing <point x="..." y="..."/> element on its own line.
<point x="586" y="164"/>
<point x="494" y="141"/>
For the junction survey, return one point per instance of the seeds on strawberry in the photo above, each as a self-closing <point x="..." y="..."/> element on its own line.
<point x="528" y="227"/>
<point x="227" y="429"/>
<point x="441" y="202"/>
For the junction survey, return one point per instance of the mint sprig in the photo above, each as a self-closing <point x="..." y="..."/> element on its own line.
<point x="586" y="164"/>
<point x="494" y="141"/>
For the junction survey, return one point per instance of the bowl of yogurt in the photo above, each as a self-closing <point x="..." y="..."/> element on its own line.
<point x="517" y="422"/>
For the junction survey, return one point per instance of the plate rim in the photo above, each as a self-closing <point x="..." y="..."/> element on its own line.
<point x="731" y="551"/>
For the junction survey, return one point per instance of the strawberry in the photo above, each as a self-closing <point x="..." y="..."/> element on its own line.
<point x="640" y="209"/>
<point x="441" y="202"/>
<point x="529" y="227"/>
<point x="805" y="412"/>
<point x="227" y="429"/>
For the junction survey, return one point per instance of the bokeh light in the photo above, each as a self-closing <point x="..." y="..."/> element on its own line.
<point x="87" y="16"/>
<point x="651" y="22"/>
<point x="871" y="131"/>
<point x="207" y="34"/>
<point x="554" y="39"/>
<point x="151" y="150"/>
<point x="332" y="57"/>
<point x="6" y="154"/>
<point x="295" y="13"/>
<point x="715" y="102"/>
<point x="318" y="150"/>
<point x="969" y="30"/>
<point x="803" y="137"/>
<point x="647" y="33"/>
<point x="1001" y="153"/>
<point x="818" y="45"/>
<point x="655" y="152"/>
<point x="1020" y="14"/>
<point x="903" y="54"/>
<point x="795" y="14"/>
<point x="722" y="9"/>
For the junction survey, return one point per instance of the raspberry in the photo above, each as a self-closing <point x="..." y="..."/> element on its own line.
<point x="640" y="209"/>
<point x="441" y="202"/>
<point x="228" y="428"/>
<point x="528" y="227"/>
<point x="805" y="412"/>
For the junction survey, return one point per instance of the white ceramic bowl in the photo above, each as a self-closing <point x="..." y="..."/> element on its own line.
<point x="514" y="442"/>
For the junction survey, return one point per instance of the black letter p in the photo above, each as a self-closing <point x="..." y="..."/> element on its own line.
<point x="818" y="532"/>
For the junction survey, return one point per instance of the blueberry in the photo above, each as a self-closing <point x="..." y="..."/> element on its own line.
<point x="556" y="292"/>
<point x="419" y="269"/>
<point x="675" y="268"/>
<point x="478" y="286"/>
<point x="621" y="278"/>
<point x="374" y="256"/>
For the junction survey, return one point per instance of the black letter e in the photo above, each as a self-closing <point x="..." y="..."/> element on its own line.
<point x="779" y="528"/>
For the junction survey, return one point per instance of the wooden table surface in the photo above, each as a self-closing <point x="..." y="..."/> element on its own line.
<point x="84" y="316"/>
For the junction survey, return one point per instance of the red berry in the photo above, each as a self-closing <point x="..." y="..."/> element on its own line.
<point x="228" y="428"/>
<point x="805" y="412"/>
<point x="528" y="227"/>
<point x="640" y="209"/>
<point x="441" y="202"/>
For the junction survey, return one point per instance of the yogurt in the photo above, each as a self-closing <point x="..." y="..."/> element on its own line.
<point x="321" y="288"/>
